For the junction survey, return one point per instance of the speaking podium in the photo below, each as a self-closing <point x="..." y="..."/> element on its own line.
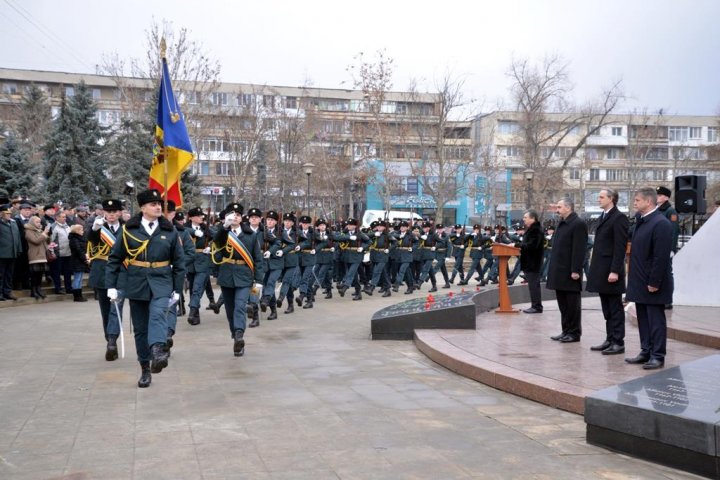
<point x="503" y="253"/>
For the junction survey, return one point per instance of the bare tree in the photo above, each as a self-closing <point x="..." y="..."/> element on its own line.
<point x="548" y="142"/>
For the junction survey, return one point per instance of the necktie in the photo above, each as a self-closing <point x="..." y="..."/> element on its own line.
<point x="602" y="216"/>
<point x="151" y="226"/>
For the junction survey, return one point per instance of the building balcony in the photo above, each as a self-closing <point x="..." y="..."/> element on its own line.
<point x="606" y="141"/>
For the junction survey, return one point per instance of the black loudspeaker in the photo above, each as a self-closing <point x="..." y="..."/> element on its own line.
<point x="690" y="193"/>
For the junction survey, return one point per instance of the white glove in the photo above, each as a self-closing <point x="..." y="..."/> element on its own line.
<point x="112" y="294"/>
<point x="359" y="249"/>
<point x="377" y="234"/>
<point x="353" y="237"/>
<point x="672" y="254"/>
<point x="424" y="237"/>
<point x="474" y="234"/>
<point x="312" y="252"/>
<point x="402" y="235"/>
<point x="432" y="249"/>
<point x="98" y="223"/>
<point x="229" y="220"/>
<point x="386" y="251"/>
<point x="257" y="288"/>
<point x="279" y="253"/>
<point x="206" y="250"/>
<point x="462" y="247"/>
<point x="410" y="249"/>
<point x="174" y="298"/>
<point x="266" y="254"/>
<point x="332" y="249"/>
<point x="297" y="248"/>
<point x="199" y="233"/>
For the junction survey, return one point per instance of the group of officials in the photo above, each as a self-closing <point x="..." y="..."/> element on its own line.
<point x="149" y="259"/>
<point x="653" y="241"/>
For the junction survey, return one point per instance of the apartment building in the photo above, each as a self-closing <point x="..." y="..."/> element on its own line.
<point x="626" y="152"/>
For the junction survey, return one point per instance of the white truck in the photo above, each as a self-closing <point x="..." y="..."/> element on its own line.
<point x="371" y="215"/>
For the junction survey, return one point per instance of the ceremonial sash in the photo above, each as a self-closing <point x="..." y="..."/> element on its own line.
<point x="107" y="236"/>
<point x="241" y="249"/>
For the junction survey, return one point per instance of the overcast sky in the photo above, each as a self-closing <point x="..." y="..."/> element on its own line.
<point x="665" y="51"/>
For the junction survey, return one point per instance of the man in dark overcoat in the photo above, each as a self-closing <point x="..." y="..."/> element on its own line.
<point x="607" y="271"/>
<point x="565" y="270"/>
<point x="650" y="281"/>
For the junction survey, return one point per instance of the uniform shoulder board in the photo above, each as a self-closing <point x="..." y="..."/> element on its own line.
<point x="674" y="218"/>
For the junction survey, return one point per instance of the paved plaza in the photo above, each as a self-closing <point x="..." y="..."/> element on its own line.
<point x="313" y="398"/>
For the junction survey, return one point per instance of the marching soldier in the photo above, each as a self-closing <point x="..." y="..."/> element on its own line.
<point x="274" y="263"/>
<point x="306" y="237"/>
<point x="199" y="266"/>
<point x="325" y="253"/>
<point x="353" y="244"/>
<point x="457" y="240"/>
<point x="442" y="242"/>
<point x="189" y="253"/>
<point x="501" y="236"/>
<point x="475" y="245"/>
<point x="486" y="254"/>
<point x="405" y="244"/>
<point x="150" y="246"/>
<point x="381" y="243"/>
<point x="516" y="238"/>
<point x="290" y="247"/>
<point x="236" y="250"/>
<point x="428" y="246"/>
<point x="101" y="239"/>
<point x="254" y="221"/>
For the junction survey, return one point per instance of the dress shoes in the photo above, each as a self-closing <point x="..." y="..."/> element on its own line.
<point x="654" y="364"/>
<point x="641" y="358"/>
<point x="532" y="310"/>
<point x="601" y="347"/>
<point x="447" y="285"/>
<point x="433" y="289"/>
<point x="569" y="339"/>
<point x="159" y="357"/>
<point x="218" y="305"/>
<point x="210" y="305"/>
<point x="239" y="345"/>
<point x="558" y="336"/>
<point x="614" y="349"/>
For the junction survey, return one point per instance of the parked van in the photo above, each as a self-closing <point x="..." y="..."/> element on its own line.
<point x="372" y="215"/>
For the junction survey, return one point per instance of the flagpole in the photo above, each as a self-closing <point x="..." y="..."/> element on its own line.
<point x="163" y="47"/>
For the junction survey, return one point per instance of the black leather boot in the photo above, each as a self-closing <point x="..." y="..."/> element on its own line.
<point x="181" y="309"/>
<point x="308" y="302"/>
<point x="279" y="301"/>
<point x="218" y="305"/>
<point x="169" y="342"/>
<point x="386" y="293"/>
<point x="255" y="317"/>
<point x="111" y="352"/>
<point x="328" y="293"/>
<point x="39" y="293"/>
<point x="299" y="300"/>
<point x="159" y="357"/>
<point x="290" y="308"/>
<point x="194" y="316"/>
<point x="239" y="344"/>
<point x="369" y="290"/>
<point x="145" y="377"/>
<point x="264" y="303"/>
<point x="357" y="296"/>
<point x="273" y="312"/>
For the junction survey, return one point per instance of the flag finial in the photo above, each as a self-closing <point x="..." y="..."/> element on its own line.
<point x="163" y="47"/>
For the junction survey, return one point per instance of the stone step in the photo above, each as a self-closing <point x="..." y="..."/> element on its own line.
<point x="24" y="298"/>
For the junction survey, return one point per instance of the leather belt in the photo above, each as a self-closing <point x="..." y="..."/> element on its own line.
<point x="138" y="263"/>
<point x="441" y="250"/>
<point x="100" y="257"/>
<point x="326" y="249"/>
<point x="232" y="261"/>
<point x="199" y="250"/>
<point x="405" y="248"/>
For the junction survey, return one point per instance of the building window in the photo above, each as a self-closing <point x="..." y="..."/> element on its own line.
<point x="9" y="88"/>
<point x="268" y="101"/>
<point x="615" y="174"/>
<point x="594" y="174"/>
<point x="193" y="98"/>
<point x="616" y="131"/>
<point x="511" y="151"/>
<point x="695" y="133"/>
<point x="96" y="94"/>
<point x="219" y="98"/>
<point x="244" y="100"/>
<point x="657" y="153"/>
<point x="405" y="185"/>
<point x="591" y="153"/>
<point x="678" y="134"/>
<point x="201" y="168"/>
<point x="224" y="169"/>
<point x="712" y="134"/>
<point x="506" y="127"/>
<point x="69" y="91"/>
<point x="291" y="102"/>
<point x="574" y="173"/>
<point x="401" y="109"/>
<point x="613" y="154"/>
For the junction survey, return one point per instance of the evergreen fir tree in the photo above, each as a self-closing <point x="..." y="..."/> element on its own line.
<point x="17" y="175"/>
<point x="74" y="162"/>
<point x="129" y="155"/>
<point x="34" y="122"/>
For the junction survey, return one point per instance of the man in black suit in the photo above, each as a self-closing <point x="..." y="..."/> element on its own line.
<point x="607" y="271"/>
<point x="650" y="281"/>
<point x="566" y="269"/>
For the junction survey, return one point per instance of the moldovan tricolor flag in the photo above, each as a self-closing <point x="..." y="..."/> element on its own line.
<point x="172" y="143"/>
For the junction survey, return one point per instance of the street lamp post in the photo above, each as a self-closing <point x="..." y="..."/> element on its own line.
<point x="529" y="173"/>
<point x="308" y="169"/>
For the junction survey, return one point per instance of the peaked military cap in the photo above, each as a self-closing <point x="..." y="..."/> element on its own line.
<point x="320" y="221"/>
<point x="245" y="218"/>
<point x="305" y="219"/>
<point x="439" y="226"/>
<point x="179" y="216"/>
<point x="272" y="214"/>
<point x="254" y="212"/>
<point x="171" y="206"/>
<point x="149" y="196"/>
<point x="426" y="225"/>
<point x="111" y="205"/>
<point x="195" y="212"/>
<point x="478" y="227"/>
<point x="234" y="207"/>
<point x="48" y="207"/>
<point x="404" y="224"/>
<point x="352" y="221"/>
<point x="5" y="208"/>
<point x="373" y="224"/>
<point x="289" y="216"/>
<point x="663" y="191"/>
<point x="457" y="225"/>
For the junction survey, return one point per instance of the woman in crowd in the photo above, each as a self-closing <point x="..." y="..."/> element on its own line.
<point x="61" y="266"/>
<point x="78" y="260"/>
<point x="37" y="239"/>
